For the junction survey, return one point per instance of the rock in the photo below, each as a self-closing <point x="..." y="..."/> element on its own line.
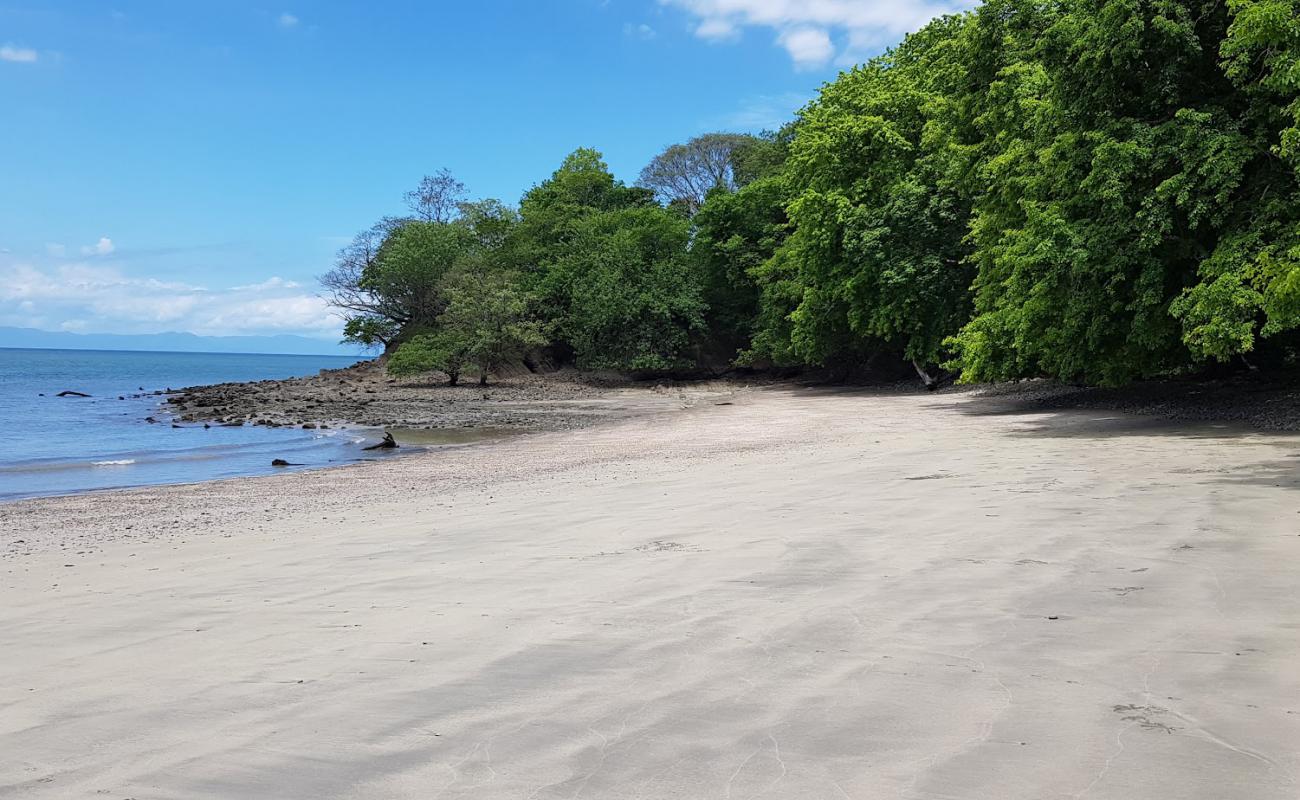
<point x="151" y="420"/>
<point x="70" y="393"/>
<point x="389" y="443"/>
<point x="280" y="462"/>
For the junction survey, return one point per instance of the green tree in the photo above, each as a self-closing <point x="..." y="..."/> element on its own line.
<point x="761" y="156"/>
<point x="685" y="173"/>
<point x="441" y="351"/>
<point x="391" y="282"/>
<point x="633" y="297"/>
<point x="876" y="258"/>
<point x="608" y="269"/>
<point x="736" y="233"/>
<point x="1136" y="208"/>
<point x="488" y="322"/>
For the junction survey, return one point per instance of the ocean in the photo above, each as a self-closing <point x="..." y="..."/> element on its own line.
<point x="52" y="445"/>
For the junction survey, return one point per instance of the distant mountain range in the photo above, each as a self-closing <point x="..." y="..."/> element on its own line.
<point x="172" y="342"/>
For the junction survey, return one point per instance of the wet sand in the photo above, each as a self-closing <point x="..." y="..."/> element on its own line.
<point x="803" y="594"/>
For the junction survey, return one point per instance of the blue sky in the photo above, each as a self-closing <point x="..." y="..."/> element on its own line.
<point x="194" y="165"/>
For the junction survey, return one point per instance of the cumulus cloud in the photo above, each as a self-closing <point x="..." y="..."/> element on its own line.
<point x="105" y="299"/>
<point x="287" y="20"/>
<point x="716" y="28"/>
<point x="808" y="47"/>
<point x="809" y="29"/>
<point x="101" y="248"/>
<point x="18" y="55"/>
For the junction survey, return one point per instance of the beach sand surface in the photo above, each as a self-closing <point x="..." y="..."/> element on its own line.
<point x="800" y="594"/>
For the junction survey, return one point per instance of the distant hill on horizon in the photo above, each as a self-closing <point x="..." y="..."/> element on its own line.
<point x="173" y="342"/>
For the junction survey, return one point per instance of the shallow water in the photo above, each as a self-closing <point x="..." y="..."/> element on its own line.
<point x="449" y="437"/>
<point x="59" y="445"/>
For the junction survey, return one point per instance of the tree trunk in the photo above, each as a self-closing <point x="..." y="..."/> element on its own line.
<point x="482" y="379"/>
<point x="453" y="378"/>
<point x="930" y="383"/>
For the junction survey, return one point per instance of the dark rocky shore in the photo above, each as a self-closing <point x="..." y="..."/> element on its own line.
<point x="364" y="395"/>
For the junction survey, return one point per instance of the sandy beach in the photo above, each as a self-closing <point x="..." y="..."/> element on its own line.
<point x="798" y="594"/>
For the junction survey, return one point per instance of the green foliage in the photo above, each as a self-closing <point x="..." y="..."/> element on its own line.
<point x="370" y="331"/>
<point x="633" y="297"/>
<point x="485" y="325"/>
<point x="412" y="264"/>
<point x="736" y="233"/>
<point x="875" y="259"/>
<point x="1092" y="190"/>
<point x="684" y="174"/>
<point x="761" y="156"/>
<point x="608" y="267"/>
<point x="443" y="351"/>
<point x="487" y="322"/>
<point x="1121" y="229"/>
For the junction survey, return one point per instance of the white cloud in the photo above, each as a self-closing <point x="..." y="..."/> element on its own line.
<point x="808" y="29"/>
<point x="274" y="282"/>
<point x="104" y="299"/>
<point x="287" y="20"/>
<point x="808" y="47"/>
<point x="56" y="250"/>
<point x="18" y="55"/>
<point x="716" y="28"/>
<point x="101" y="248"/>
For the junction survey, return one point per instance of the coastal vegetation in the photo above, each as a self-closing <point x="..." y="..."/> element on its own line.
<point x="1095" y="191"/>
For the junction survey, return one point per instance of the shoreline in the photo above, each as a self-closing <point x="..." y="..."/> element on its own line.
<point x="806" y="589"/>
<point x="567" y="401"/>
<point x="313" y="488"/>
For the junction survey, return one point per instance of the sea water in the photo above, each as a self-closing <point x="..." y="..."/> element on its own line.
<point x="52" y="445"/>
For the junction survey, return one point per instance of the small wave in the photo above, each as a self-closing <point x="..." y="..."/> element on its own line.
<point x="121" y="462"/>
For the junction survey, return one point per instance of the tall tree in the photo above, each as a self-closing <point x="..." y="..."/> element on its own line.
<point x="437" y="197"/>
<point x="875" y="260"/>
<point x="736" y="233"/>
<point x="684" y="174"/>
<point x="370" y="318"/>
<point x="633" y="299"/>
<point x="1131" y="195"/>
<point x="485" y="325"/>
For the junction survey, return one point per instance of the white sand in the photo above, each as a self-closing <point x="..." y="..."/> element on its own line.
<point x="802" y="595"/>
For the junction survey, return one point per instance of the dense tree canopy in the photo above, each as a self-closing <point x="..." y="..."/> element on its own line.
<point x="1091" y="190"/>
<point x="609" y="265"/>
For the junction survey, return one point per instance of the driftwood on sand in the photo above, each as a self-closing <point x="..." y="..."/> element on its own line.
<point x="388" y="443"/>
